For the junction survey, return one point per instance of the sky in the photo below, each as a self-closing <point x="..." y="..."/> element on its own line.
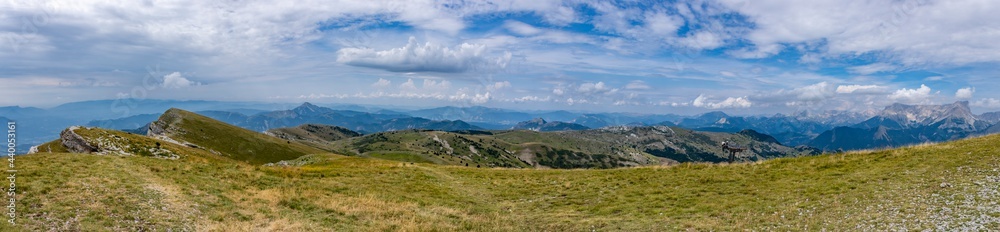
<point x="749" y="57"/>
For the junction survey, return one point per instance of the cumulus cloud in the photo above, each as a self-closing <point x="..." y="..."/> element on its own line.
<point x="436" y="85"/>
<point x="408" y="85"/>
<point x="965" y="93"/>
<point x="591" y="93"/>
<point x="498" y="85"/>
<point x="730" y="102"/>
<point x="912" y="96"/>
<point x="595" y="88"/>
<point x="175" y="81"/>
<point x="530" y="99"/>
<point x="382" y="83"/>
<point x="426" y="57"/>
<point x="860" y="89"/>
<point x="475" y="98"/>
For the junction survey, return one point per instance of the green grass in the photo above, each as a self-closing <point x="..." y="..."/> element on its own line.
<point x="402" y="157"/>
<point x="235" y="142"/>
<point x="52" y="146"/>
<point x="881" y="190"/>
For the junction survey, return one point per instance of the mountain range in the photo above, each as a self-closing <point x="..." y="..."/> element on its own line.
<point x="192" y="173"/>
<point x="539" y="124"/>
<point x="895" y="125"/>
<point x="609" y="147"/>
<point x="899" y="125"/>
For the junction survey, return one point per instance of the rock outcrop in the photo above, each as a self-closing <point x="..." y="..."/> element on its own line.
<point x="74" y="142"/>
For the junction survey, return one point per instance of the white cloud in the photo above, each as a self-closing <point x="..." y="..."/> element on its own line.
<point x="860" y="89"/>
<point x="756" y="52"/>
<point x="571" y="101"/>
<point x="912" y="96"/>
<point x="702" y="40"/>
<point x="498" y="85"/>
<point x="810" y="58"/>
<point x="408" y="85"/>
<point x="436" y="85"/>
<point x="175" y="80"/>
<point x="595" y="88"/>
<point x="663" y="24"/>
<point x="987" y="103"/>
<point x="382" y="83"/>
<point x="475" y="98"/>
<point x="592" y="93"/>
<point x="521" y="28"/>
<point x="872" y="68"/>
<point x="531" y="99"/>
<point x="637" y="85"/>
<point x="816" y="92"/>
<point x="427" y="57"/>
<point x="965" y="93"/>
<point x="731" y="102"/>
<point x="801" y="96"/>
<point x="914" y="32"/>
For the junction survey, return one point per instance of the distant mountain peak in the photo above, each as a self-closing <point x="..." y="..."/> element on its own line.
<point x="901" y="124"/>
<point x="714" y="114"/>
<point x="916" y="115"/>
<point x="307" y="108"/>
<point x="307" y="105"/>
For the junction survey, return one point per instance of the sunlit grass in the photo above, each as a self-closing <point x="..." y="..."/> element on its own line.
<point x="875" y="190"/>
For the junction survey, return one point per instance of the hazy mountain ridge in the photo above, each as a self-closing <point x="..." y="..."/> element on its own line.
<point x="607" y="147"/>
<point x="956" y="116"/>
<point x="539" y="124"/>
<point x="41" y="125"/>
<point x="991" y="117"/>
<point x="788" y="130"/>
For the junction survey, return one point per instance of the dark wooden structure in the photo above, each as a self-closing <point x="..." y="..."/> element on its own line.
<point x="733" y="149"/>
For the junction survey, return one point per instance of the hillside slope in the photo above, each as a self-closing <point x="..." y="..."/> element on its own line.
<point x="609" y="147"/>
<point x="227" y="140"/>
<point x="951" y="186"/>
<point x="315" y="135"/>
<point x="539" y="124"/>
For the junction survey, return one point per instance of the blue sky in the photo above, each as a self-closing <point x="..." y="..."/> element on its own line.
<point x="745" y="57"/>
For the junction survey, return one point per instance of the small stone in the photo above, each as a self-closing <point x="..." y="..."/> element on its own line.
<point x="945" y="185"/>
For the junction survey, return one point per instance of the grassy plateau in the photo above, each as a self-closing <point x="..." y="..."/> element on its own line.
<point x="947" y="186"/>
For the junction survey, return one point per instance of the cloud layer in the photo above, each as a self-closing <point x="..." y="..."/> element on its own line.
<point x="427" y="57"/>
<point x="755" y="57"/>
